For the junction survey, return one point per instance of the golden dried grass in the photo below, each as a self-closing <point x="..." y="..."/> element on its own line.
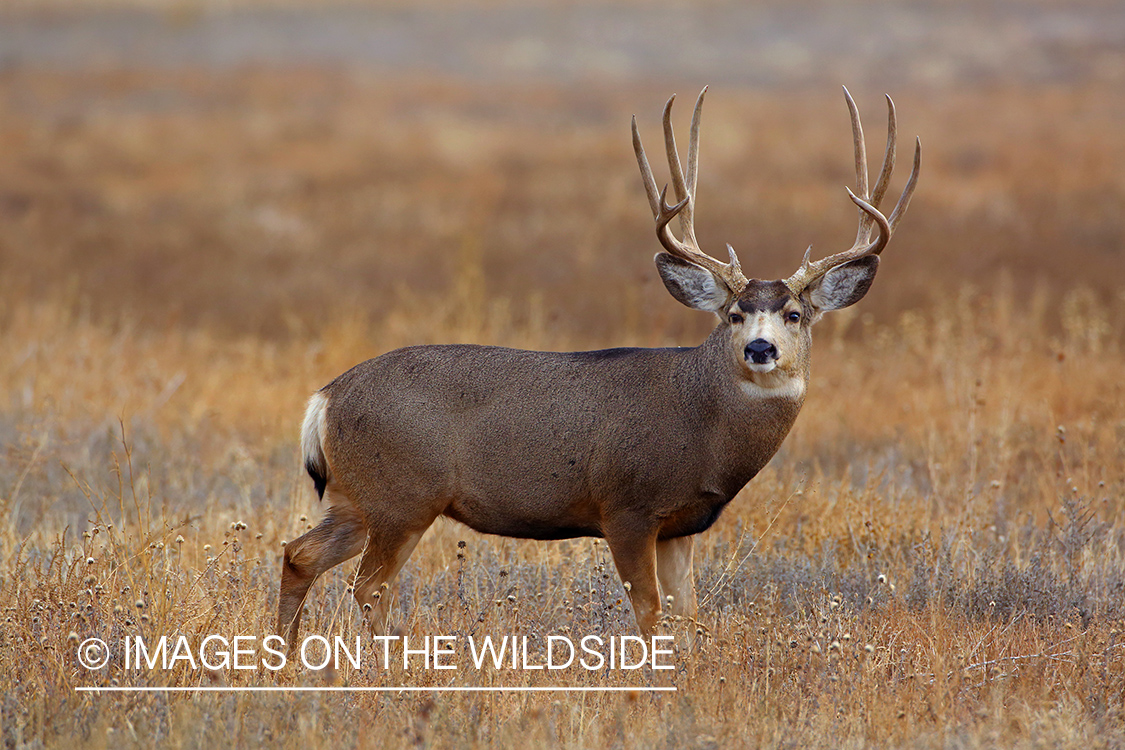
<point x="933" y="559"/>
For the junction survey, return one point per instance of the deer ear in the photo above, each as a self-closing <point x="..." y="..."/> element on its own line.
<point x="692" y="285"/>
<point x="844" y="285"/>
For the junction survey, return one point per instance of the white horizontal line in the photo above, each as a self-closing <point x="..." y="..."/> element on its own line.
<point x="400" y="689"/>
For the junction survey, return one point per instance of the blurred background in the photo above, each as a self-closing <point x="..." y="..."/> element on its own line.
<point x="210" y="209"/>
<point x="259" y="168"/>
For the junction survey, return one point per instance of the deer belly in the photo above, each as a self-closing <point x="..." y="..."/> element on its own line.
<point x="527" y="511"/>
<point x="694" y="518"/>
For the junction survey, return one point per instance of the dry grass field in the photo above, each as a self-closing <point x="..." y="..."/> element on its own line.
<point x="936" y="557"/>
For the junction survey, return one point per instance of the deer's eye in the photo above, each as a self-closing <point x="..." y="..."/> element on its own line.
<point x="793" y="317"/>
<point x="735" y="319"/>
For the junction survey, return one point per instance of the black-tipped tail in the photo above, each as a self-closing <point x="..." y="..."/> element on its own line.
<point x="312" y="442"/>
<point x="320" y="481"/>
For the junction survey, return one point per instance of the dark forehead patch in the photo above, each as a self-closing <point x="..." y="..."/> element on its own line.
<point x="764" y="296"/>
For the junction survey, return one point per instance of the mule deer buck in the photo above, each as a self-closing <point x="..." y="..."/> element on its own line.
<point x="643" y="447"/>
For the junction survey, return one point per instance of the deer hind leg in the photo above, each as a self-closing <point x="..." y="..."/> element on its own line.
<point x="337" y="538"/>
<point x="383" y="557"/>
<point x="677" y="579"/>
<point x="634" y="554"/>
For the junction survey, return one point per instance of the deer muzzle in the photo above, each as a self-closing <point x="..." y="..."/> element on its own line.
<point x="760" y="352"/>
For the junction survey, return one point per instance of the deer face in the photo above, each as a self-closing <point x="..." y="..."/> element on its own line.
<point x="766" y="330"/>
<point x="769" y="322"/>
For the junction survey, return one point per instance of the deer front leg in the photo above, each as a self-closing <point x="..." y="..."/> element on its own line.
<point x="634" y="554"/>
<point x="677" y="579"/>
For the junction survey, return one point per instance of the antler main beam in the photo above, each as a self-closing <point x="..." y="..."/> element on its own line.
<point x="870" y="217"/>
<point x="684" y="187"/>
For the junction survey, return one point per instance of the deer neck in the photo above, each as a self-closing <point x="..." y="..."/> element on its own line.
<point x="745" y="420"/>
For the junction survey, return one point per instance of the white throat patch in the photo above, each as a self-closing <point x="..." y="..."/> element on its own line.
<point x="774" y="384"/>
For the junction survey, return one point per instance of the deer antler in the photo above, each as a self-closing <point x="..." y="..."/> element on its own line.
<point x="688" y="248"/>
<point x="870" y="217"/>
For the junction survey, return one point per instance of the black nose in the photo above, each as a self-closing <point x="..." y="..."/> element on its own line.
<point x="760" y="351"/>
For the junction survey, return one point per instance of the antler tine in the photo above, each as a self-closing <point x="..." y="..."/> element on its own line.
<point x="693" y="143"/>
<point x="889" y="157"/>
<point x="665" y="215"/>
<point x="868" y="204"/>
<point x="873" y="215"/>
<point x="646" y="172"/>
<point x="679" y="184"/>
<point x="908" y="191"/>
<point x="860" y="162"/>
<point x="687" y="222"/>
<point x="684" y="187"/>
